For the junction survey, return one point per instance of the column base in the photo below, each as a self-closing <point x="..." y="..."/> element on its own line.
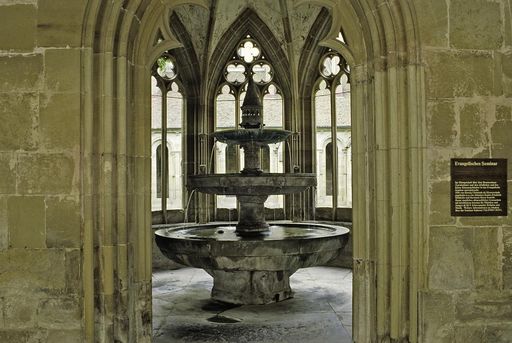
<point x="251" y="287"/>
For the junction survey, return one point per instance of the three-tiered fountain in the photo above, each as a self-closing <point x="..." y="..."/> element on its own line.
<point x="251" y="263"/>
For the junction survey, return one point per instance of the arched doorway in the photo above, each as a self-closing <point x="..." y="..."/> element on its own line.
<point x="121" y="41"/>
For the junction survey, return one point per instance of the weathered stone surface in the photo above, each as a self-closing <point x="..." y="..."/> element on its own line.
<point x="442" y="130"/>
<point x="60" y="121"/>
<point x="507" y="257"/>
<point x="17" y="113"/>
<point x="18" y="27"/>
<point x="62" y="223"/>
<point x="20" y="311"/>
<point x="61" y="67"/>
<point x="461" y="73"/>
<point x="60" y="23"/>
<point x="21" y="72"/>
<point x="500" y="133"/>
<point x="22" y="336"/>
<point x="451" y="264"/>
<point x="73" y="271"/>
<point x="475" y="24"/>
<point x="7" y="173"/>
<point x="481" y="333"/>
<point x="26" y="222"/>
<point x="503" y="113"/>
<point x="438" y="315"/>
<point x="486" y="258"/>
<point x="482" y="306"/>
<point x="506" y="75"/>
<point x="440" y="211"/>
<point x="433" y="22"/>
<point x="59" y="313"/>
<point x="473" y="126"/>
<point x="502" y="141"/>
<point x="65" y="336"/>
<point x="4" y="229"/>
<point x="466" y="333"/>
<point x="32" y="270"/>
<point x="45" y="173"/>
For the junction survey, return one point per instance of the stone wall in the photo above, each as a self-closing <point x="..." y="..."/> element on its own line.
<point x="40" y="221"/>
<point x="467" y="53"/>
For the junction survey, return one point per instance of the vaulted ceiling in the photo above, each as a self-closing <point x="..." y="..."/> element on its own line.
<point x="289" y="24"/>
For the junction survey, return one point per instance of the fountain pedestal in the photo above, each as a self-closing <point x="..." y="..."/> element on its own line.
<point x="251" y="287"/>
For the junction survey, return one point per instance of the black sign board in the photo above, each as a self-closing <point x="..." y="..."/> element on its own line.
<point x="479" y="187"/>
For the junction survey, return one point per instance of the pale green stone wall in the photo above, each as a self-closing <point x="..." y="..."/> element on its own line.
<point x="466" y="50"/>
<point x="40" y="220"/>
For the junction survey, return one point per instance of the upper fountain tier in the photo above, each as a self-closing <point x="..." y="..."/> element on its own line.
<point x="252" y="132"/>
<point x="257" y="137"/>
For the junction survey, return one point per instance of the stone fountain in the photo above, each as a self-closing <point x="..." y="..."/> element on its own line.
<point x="251" y="263"/>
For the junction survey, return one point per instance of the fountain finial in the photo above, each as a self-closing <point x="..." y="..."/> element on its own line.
<point x="252" y="107"/>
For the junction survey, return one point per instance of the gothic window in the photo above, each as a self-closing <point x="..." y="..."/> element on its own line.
<point x="248" y="61"/>
<point x="167" y="106"/>
<point x="332" y="124"/>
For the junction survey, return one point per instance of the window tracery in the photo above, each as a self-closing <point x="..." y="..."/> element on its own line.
<point x="332" y="123"/>
<point x="167" y="106"/>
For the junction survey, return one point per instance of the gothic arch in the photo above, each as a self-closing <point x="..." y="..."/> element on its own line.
<point x="119" y="46"/>
<point x="250" y="23"/>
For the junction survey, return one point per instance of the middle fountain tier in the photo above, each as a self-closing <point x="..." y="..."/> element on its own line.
<point x="252" y="263"/>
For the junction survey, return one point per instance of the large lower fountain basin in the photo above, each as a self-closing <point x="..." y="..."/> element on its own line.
<point x="252" y="270"/>
<point x="240" y="184"/>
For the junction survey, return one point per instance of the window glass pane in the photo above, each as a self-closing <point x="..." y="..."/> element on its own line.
<point x="225" y="109"/>
<point x="156" y="136"/>
<point x="323" y="137"/>
<point x="273" y="108"/>
<point x="225" y="156"/>
<point x="262" y="73"/>
<point x="273" y="157"/>
<point x="248" y="51"/>
<point x="344" y="143"/>
<point x="331" y="66"/>
<point x="343" y="102"/>
<point x="235" y="73"/>
<point x="174" y="138"/>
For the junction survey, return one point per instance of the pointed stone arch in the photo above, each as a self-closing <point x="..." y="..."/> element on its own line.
<point x="249" y="23"/>
<point x="118" y="49"/>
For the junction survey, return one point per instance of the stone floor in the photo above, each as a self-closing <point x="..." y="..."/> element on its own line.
<point x="321" y="310"/>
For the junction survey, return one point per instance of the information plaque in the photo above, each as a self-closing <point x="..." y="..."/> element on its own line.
<point x="479" y="187"/>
